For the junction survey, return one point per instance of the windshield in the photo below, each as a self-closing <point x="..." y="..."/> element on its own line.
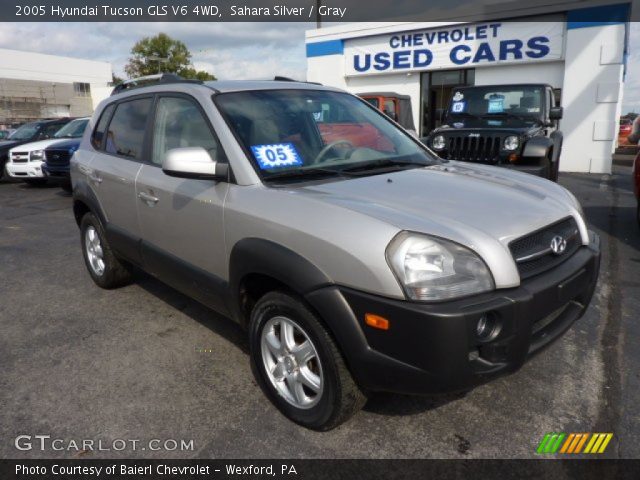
<point x="26" y="131"/>
<point x="73" y="129"/>
<point x="316" y="131"/>
<point x="518" y="101"/>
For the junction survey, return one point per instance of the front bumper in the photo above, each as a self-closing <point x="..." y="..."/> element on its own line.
<point x="56" y="171"/>
<point x="25" y="170"/>
<point x="433" y="348"/>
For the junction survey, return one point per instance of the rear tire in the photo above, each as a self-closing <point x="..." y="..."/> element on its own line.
<point x="103" y="266"/>
<point x="298" y="364"/>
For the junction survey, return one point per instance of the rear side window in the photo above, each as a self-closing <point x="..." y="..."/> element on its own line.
<point x="179" y="123"/>
<point x="49" y="131"/>
<point x="101" y="128"/>
<point x="125" y="135"/>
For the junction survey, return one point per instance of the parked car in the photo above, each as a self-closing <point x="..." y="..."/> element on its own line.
<point x="5" y="134"/>
<point x="29" y="132"/>
<point x="636" y="183"/>
<point x="624" y="131"/>
<point x="513" y="126"/>
<point x="394" y="105"/>
<point x="26" y="162"/>
<point x="634" y="137"/>
<point x="57" y="161"/>
<point x="354" y="269"/>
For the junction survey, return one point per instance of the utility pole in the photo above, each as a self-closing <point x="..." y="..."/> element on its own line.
<point x="318" y="18"/>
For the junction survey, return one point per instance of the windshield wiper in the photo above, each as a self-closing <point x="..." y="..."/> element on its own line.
<point x="304" y="173"/>
<point x="383" y="163"/>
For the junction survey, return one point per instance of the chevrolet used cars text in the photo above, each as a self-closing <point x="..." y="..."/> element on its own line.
<point x="357" y="263"/>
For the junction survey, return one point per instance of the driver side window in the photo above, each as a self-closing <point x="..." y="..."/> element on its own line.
<point x="179" y="123"/>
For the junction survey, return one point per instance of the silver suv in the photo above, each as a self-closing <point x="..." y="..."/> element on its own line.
<point x="357" y="260"/>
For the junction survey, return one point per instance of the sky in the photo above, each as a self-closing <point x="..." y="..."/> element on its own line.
<point x="228" y="50"/>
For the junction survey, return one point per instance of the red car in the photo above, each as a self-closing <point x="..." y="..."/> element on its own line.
<point x="636" y="183"/>
<point x="625" y="130"/>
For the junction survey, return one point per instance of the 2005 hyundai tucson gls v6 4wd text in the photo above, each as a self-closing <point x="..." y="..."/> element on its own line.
<point x="357" y="260"/>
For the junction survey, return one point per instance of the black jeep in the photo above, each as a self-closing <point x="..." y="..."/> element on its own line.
<point x="513" y="126"/>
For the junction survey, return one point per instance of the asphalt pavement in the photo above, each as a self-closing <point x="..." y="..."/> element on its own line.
<point x="144" y="362"/>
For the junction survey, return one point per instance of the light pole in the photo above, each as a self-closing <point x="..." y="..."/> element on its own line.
<point x="160" y="60"/>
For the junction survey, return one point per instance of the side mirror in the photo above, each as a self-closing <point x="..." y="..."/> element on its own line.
<point x="555" y="113"/>
<point x="194" y="162"/>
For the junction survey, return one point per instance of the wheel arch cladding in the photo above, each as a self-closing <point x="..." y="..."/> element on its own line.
<point x="537" y="147"/>
<point x="260" y="258"/>
<point x="83" y="203"/>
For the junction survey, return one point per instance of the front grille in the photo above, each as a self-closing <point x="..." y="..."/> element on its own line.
<point x="58" y="157"/>
<point x="19" y="157"/>
<point x="533" y="254"/>
<point x="484" y="149"/>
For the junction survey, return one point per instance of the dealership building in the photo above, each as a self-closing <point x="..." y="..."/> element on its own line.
<point x="579" y="48"/>
<point x="35" y="85"/>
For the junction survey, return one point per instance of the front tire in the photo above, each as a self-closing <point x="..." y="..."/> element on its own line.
<point x="103" y="266"/>
<point x="298" y="364"/>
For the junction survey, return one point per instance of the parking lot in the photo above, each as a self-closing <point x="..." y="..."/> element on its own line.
<point x="144" y="362"/>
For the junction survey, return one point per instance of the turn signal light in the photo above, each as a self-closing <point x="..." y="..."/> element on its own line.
<point x="513" y="158"/>
<point x="376" y="321"/>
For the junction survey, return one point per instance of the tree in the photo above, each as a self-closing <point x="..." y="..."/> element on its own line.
<point x="115" y="80"/>
<point x="162" y="54"/>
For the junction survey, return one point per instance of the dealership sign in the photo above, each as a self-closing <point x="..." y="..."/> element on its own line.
<point x="461" y="46"/>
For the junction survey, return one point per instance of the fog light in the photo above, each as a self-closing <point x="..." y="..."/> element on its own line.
<point x="487" y="327"/>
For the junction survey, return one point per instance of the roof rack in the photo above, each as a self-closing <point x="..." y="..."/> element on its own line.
<point x="278" y="78"/>
<point x="147" y="79"/>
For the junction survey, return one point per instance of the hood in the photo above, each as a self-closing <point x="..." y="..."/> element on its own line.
<point x="482" y="124"/>
<point x="39" y="145"/>
<point x="65" y="144"/>
<point x="478" y="206"/>
<point x="7" y="144"/>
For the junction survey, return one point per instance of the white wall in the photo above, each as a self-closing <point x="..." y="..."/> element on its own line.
<point x="50" y="68"/>
<point x="591" y="97"/>
<point x="551" y="73"/>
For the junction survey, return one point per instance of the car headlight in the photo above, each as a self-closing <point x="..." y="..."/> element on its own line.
<point x="511" y="143"/>
<point x="438" y="142"/>
<point x="431" y="269"/>
<point x="36" y="155"/>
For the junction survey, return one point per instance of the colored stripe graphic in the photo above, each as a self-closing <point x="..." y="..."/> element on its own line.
<point x="573" y="443"/>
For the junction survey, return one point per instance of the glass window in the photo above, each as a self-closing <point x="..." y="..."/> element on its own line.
<point x="517" y="100"/>
<point x="98" y="133"/>
<point x="73" y="129"/>
<point x="50" y="130"/>
<point x="179" y="123"/>
<point x="316" y="130"/>
<point x="26" y="131"/>
<point x="125" y="135"/>
<point x="82" y="89"/>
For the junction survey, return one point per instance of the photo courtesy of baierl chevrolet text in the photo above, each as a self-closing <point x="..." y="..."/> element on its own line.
<point x="319" y="239"/>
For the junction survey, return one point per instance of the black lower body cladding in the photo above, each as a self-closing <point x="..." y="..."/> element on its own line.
<point x="436" y="348"/>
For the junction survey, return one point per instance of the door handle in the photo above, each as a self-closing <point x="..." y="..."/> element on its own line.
<point x="147" y="198"/>
<point x="95" y="178"/>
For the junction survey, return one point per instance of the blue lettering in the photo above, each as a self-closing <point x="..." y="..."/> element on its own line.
<point x="430" y="36"/>
<point x="481" y="32"/>
<point x="443" y="37"/>
<point x="394" y="42"/>
<point x="367" y="63"/>
<point x="426" y="54"/>
<point x="381" y="61"/>
<point x="406" y="40"/>
<point x="537" y="49"/>
<point x="467" y="35"/>
<point x="417" y="40"/>
<point x="484" y="53"/>
<point x="513" y="47"/>
<point x="456" y="35"/>
<point x="494" y="27"/>
<point x="454" y="54"/>
<point x="401" y="59"/>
